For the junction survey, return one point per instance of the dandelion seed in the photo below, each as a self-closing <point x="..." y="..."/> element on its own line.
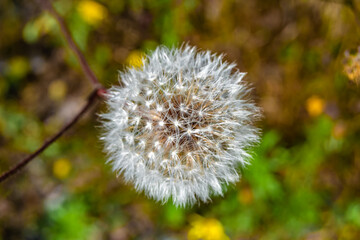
<point x="180" y="126"/>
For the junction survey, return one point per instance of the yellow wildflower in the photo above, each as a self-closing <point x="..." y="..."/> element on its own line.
<point x="62" y="168"/>
<point x="18" y="67"/>
<point x="57" y="90"/>
<point x="315" y="106"/>
<point x="206" y="229"/>
<point x="92" y="12"/>
<point x="135" y="59"/>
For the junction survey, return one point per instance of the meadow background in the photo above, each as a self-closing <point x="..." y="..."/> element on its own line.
<point x="302" y="59"/>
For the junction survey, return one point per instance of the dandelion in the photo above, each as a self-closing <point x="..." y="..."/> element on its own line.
<point x="180" y="125"/>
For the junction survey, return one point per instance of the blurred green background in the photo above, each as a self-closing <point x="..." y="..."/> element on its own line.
<point x="304" y="181"/>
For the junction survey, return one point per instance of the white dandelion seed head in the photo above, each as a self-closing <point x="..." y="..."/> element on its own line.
<point x="180" y="125"/>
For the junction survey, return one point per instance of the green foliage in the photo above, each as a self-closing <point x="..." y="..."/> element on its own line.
<point x="353" y="213"/>
<point x="69" y="220"/>
<point x="174" y="217"/>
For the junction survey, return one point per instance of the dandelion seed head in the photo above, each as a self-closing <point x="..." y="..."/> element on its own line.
<point x="180" y="125"/>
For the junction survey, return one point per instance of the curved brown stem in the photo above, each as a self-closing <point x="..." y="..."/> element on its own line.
<point x="98" y="92"/>
<point x="92" y="97"/>
<point x="47" y="5"/>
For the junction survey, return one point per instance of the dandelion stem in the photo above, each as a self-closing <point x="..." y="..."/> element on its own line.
<point x="47" y="5"/>
<point x="91" y="99"/>
<point x="97" y="92"/>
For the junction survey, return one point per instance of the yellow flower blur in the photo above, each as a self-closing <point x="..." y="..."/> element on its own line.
<point x="315" y="106"/>
<point x="62" y="168"/>
<point x="92" y="12"/>
<point x="135" y="59"/>
<point x="18" y="67"/>
<point x="57" y="90"/>
<point x="206" y="229"/>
